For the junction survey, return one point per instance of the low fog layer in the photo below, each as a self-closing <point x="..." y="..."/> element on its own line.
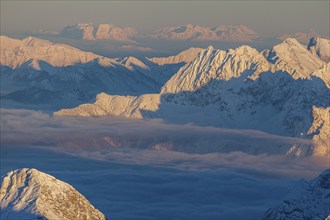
<point x="124" y="191"/>
<point x="154" y="142"/>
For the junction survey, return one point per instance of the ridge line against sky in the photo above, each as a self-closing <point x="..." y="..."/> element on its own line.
<point x="268" y="18"/>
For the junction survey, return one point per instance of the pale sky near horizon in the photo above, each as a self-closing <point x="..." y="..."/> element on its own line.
<point x="268" y="18"/>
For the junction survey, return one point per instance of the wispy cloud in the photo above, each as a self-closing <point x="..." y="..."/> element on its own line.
<point x="188" y="147"/>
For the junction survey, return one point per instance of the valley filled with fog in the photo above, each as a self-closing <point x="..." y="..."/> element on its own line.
<point x="133" y="169"/>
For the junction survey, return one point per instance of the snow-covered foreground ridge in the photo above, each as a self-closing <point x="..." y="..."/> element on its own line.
<point x="307" y="200"/>
<point x="29" y="193"/>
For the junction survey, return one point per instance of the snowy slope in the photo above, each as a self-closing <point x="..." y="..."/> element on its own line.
<point x="183" y="57"/>
<point x="88" y="31"/>
<point x="307" y="200"/>
<point x="126" y="106"/>
<point x="17" y="52"/>
<point x="294" y="58"/>
<point x="320" y="130"/>
<point x="29" y="193"/>
<point x="200" y="33"/>
<point x="320" y="47"/>
<point x="263" y="104"/>
<point x="212" y="64"/>
<point x="34" y="70"/>
<point x="234" y="89"/>
<point x="302" y="37"/>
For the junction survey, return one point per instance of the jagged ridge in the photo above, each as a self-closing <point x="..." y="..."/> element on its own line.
<point x="199" y="33"/>
<point x="31" y="193"/>
<point x="88" y="31"/>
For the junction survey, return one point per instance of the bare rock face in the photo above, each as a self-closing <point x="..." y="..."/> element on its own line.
<point x="321" y="131"/>
<point x="307" y="200"/>
<point x="29" y="193"/>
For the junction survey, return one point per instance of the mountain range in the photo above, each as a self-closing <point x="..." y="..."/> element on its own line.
<point x="88" y="31"/>
<point x="283" y="90"/>
<point x="230" y="33"/>
<point x="302" y="37"/>
<point x="286" y="86"/>
<point x="189" y="32"/>
<point x="34" y="70"/>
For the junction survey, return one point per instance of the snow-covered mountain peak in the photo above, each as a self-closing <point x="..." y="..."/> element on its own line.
<point x="123" y="106"/>
<point x="211" y="64"/>
<point x="302" y="37"/>
<point x="16" y="52"/>
<point x="320" y="47"/>
<point x="244" y="50"/>
<point x="185" y="56"/>
<point x="209" y="49"/>
<point x="201" y="33"/>
<point x="88" y="31"/>
<point x="294" y="58"/>
<point x="290" y="42"/>
<point x="7" y="43"/>
<point x="132" y="63"/>
<point x="64" y="74"/>
<point x="29" y="193"/>
<point x="238" y="33"/>
<point x="36" y="42"/>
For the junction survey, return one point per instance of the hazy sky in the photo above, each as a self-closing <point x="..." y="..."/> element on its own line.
<point x="265" y="17"/>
